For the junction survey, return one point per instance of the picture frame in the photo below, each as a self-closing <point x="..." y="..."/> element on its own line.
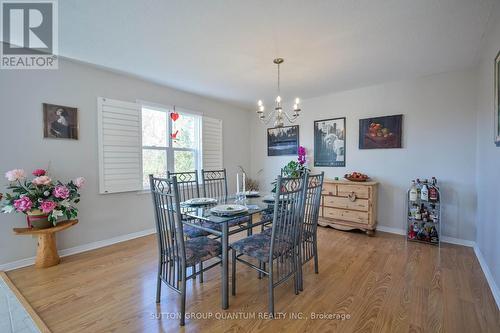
<point x="60" y="122"/>
<point x="383" y="132"/>
<point x="330" y="142"/>
<point x="497" y="100"/>
<point x="282" y="141"/>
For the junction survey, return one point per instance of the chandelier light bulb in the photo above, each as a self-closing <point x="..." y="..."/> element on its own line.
<point x="297" y="101"/>
<point x="278" y="99"/>
<point x="295" y="106"/>
<point x="259" y="103"/>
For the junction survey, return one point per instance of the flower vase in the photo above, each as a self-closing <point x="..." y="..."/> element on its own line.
<point x="38" y="220"/>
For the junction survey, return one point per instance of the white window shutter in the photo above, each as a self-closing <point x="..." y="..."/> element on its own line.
<point x="212" y="144"/>
<point x="120" y="146"/>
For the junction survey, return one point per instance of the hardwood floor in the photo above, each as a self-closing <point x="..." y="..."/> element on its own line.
<point x="377" y="284"/>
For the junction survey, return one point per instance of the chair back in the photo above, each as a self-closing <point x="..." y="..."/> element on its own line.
<point x="187" y="183"/>
<point x="311" y="213"/>
<point x="169" y="229"/>
<point x="214" y="183"/>
<point x="288" y="214"/>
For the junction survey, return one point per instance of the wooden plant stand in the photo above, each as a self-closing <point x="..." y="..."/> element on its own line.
<point x="46" y="253"/>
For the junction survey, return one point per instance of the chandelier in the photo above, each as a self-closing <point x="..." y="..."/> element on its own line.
<point x="278" y="112"/>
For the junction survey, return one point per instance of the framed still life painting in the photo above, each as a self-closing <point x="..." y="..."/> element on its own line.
<point x="497" y="100"/>
<point x="329" y="142"/>
<point x="381" y="132"/>
<point x="60" y="122"/>
<point x="283" y="141"/>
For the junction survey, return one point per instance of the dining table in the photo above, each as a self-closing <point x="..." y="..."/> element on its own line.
<point x="219" y="226"/>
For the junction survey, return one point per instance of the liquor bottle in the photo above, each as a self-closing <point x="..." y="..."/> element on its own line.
<point x="418" y="214"/>
<point x="424" y="192"/>
<point x="433" y="190"/>
<point x="413" y="192"/>
<point x="419" y="187"/>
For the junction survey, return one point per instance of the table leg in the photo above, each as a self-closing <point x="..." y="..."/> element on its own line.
<point x="46" y="253"/>
<point x="225" y="266"/>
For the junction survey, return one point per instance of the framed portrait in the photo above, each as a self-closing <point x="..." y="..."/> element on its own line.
<point x="329" y="142"/>
<point x="497" y="100"/>
<point x="381" y="132"/>
<point x="283" y="141"/>
<point x="60" y="122"/>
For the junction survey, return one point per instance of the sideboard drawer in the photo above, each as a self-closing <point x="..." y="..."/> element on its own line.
<point x="329" y="189"/>
<point x="345" y="203"/>
<point x="348" y="215"/>
<point x="359" y="190"/>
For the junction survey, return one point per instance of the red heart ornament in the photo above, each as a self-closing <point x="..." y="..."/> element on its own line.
<point x="174" y="116"/>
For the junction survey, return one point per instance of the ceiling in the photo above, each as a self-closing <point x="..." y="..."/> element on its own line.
<point x="224" y="48"/>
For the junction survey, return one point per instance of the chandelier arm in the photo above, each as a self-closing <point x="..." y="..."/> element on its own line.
<point x="267" y="119"/>
<point x="290" y="118"/>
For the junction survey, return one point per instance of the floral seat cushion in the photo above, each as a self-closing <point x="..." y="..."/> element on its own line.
<point x="200" y="249"/>
<point x="258" y="246"/>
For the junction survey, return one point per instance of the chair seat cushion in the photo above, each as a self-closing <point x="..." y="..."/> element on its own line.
<point x="258" y="246"/>
<point x="200" y="249"/>
<point x="193" y="232"/>
<point x="232" y="223"/>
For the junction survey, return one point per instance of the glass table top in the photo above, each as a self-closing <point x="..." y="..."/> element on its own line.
<point x="254" y="204"/>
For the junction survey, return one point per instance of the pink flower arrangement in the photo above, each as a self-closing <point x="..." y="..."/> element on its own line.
<point x="79" y="182"/>
<point x="23" y="204"/>
<point x="42" y="181"/>
<point x="15" y="175"/>
<point x="53" y="198"/>
<point x="61" y="192"/>
<point x="39" y="172"/>
<point x="48" y="206"/>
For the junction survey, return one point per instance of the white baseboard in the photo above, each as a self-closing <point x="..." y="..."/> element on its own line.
<point x="487" y="273"/>
<point x="390" y="230"/>
<point x="79" y="249"/>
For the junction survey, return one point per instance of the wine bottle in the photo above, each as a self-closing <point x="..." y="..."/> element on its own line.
<point x="413" y="191"/>
<point x="433" y="190"/>
<point x="424" y="192"/>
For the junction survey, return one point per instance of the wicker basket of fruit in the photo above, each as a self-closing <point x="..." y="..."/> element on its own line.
<point x="356" y="177"/>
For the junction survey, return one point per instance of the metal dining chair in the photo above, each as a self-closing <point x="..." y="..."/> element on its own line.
<point x="214" y="184"/>
<point x="309" y="237"/>
<point x="175" y="253"/>
<point x="189" y="189"/>
<point x="279" y="249"/>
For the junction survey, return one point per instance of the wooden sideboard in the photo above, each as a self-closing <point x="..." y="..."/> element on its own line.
<point x="347" y="205"/>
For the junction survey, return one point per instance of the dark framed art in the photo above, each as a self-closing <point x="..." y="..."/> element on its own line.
<point x="329" y="142"/>
<point x="60" y="122"/>
<point x="497" y="100"/>
<point x="381" y="132"/>
<point x="283" y="141"/>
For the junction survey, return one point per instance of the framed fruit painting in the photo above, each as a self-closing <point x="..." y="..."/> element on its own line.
<point x="381" y="132"/>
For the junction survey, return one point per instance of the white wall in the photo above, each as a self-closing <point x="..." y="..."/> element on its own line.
<point x="488" y="155"/>
<point x="101" y="216"/>
<point x="438" y="140"/>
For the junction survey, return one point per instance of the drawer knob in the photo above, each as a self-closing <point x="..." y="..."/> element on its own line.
<point x="352" y="196"/>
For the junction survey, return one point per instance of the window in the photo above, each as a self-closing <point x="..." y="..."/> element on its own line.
<point x="167" y="144"/>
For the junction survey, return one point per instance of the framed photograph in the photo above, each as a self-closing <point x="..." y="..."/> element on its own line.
<point x="283" y="141"/>
<point x="329" y="142"/>
<point x="381" y="132"/>
<point x="497" y="100"/>
<point x="60" y="122"/>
